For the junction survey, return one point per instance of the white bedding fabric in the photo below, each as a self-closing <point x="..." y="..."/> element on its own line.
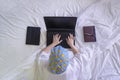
<point x="19" y="61"/>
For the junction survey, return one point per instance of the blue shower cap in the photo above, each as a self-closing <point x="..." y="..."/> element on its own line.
<point x="58" y="60"/>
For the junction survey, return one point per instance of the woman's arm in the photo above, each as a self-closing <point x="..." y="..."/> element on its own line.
<point x="70" y="42"/>
<point x="56" y="41"/>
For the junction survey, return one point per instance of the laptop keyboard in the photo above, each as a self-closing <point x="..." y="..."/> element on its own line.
<point x="63" y="35"/>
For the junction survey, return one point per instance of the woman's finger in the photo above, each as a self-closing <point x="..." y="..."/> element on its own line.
<point x="59" y="36"/>
<point x="68" y="37"/>
<point x="71" y="35"/>
<point x="60" y="41"/>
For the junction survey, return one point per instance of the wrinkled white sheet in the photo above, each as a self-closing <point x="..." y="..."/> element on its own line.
<point x="20" y="62"/>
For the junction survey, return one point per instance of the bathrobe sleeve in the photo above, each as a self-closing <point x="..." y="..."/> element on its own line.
<point x="78" y="68"/>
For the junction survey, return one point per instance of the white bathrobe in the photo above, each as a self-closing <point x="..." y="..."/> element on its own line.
<point x="73" y="71"/>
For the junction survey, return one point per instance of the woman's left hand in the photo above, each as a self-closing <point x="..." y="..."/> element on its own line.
<point x="56" y="39"/>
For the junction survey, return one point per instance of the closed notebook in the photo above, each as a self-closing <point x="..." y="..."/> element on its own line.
<point x="33" y="35"/>
<point x="89" y="33"/>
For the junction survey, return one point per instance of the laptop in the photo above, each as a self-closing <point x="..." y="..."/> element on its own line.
<point x="61" y="25"/>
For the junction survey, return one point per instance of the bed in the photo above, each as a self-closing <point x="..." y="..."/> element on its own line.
<point x="100" y="60"/>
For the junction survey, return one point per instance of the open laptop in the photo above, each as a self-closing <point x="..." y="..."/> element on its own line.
<point x="61" y="25"/>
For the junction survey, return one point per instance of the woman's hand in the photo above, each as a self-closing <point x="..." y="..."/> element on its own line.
<point x="56" y="39"/>
<point x="70" y="40"/>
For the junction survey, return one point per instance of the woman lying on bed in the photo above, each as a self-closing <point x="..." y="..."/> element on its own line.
<point x="55" y="63"/>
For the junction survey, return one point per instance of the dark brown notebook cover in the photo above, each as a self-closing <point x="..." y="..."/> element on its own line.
<point x="89" y="33"/>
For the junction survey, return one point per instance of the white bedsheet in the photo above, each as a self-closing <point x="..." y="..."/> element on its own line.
<point x="19" y="61"/>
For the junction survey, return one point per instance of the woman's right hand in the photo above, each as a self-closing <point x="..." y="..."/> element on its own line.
<point x="70" y="40"/>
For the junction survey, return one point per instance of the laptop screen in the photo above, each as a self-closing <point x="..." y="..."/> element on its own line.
<point x="60" y="22"/>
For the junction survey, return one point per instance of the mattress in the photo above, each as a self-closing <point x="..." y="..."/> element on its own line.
<point x="18" y="61"/>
